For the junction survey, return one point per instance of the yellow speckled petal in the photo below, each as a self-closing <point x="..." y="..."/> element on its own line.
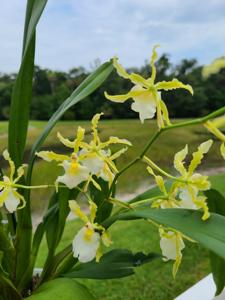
<point x="79" y="139"/>
<point x="179" y="160"/>
<point x="64" y="141"/>
<point x="95" y="121"/>
<point x="198" y="155"/>
<point x="172" y="85"/>
<point x="75" y="208"/>
<point x="50" y="155"/>
<point x="11" y="163"/>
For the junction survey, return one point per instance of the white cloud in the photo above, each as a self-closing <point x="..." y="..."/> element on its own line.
<point x="73" y="33"/>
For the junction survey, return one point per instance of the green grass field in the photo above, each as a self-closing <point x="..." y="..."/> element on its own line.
<point x="154" y="280"/>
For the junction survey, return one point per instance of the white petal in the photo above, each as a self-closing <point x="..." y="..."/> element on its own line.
<point x="186" y="198"/>
<point x="85" y="250"/>
<point x="72" y="180"/>
<point x="94" y="164"/>
<point x="144" y="104"/>
<point x="11" y="202"/>
<point x="168" y="246"/>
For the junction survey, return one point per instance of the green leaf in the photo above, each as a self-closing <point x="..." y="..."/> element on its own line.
<point x="88" y="86"/>
<point x="18" y="125"/>
<point x="114" y="264"/>
<point x="216" y="203"/>
<point x="22" y="91"/>
<point x="209" y="233"/>
<point x="62" y="289"/>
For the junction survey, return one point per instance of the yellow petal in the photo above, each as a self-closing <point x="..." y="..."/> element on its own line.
<point x="115" y="140"/>
<point x="11" y="163"/>
<point x="120" y="69"/>
<point x="93" y="210"/>
<point x="214" y="67"/>
<point x="135" y="78"/>
<point x="165" y="113"/>
<point x="118" y="153"/>
<point x="214" y="130"/>
<point x="79" y="139"/>
<point x="123" y="98"/>
<point x="152" y="63"/>
<point x="75" y="208"/>
<point x="64" y="141"/>
<point x="222" y="150"/>
<point x="106" y="239"/>
<point x="179" y="160"/>
<point x="95" y="121"/>
<point x="20" y="173"/>
<point x="198" y="155"/>
<point x="172" y="85"/>
<point x="50" y="155"/>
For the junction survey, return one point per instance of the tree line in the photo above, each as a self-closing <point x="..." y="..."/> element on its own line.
<point x="51" y="88"/>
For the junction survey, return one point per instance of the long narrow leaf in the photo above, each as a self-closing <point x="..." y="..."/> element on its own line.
<point x="209" y="233"/>
<point x="88" y="86"/>
<point x="18" y="125"/>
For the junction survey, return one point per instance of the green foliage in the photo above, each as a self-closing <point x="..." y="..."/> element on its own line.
<point x="117" y="263"/>
<point x="216" y="203"/>
<point x="189" y="222"/>
<point x="62" y="288"/>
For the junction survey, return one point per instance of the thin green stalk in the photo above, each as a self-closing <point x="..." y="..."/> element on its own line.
<point x="159" y="132"/>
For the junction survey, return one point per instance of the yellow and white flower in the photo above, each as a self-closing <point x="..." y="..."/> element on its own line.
<point x="8" y="194"/>
<point x="87" y="159"/>
<point x="96" y="155"/>
<point x="189" y="184"/>
<point x="75" y="173"/>
<point x="146" y="93"/>
<point x="171" y="244"/>
<point x="87" y="242"/>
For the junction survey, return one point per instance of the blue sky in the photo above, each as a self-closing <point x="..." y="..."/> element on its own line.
<point x="76" y="32"/>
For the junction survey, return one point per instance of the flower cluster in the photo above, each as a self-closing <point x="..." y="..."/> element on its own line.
<point x="185" y="192"/>
<point x="86" y="159"/>
<point x="146" y="92"/>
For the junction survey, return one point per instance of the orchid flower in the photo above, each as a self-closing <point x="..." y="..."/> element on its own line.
<point x="8" y="194"/>
<point x="184" y="193"/>
<point x="87" y="242"/>
<point x="96" y="155"/>
<point x="171" y="244"/>
<point x="192" y="183"/>
<point x="146" y="92"/>
<point x="75" y="173"/>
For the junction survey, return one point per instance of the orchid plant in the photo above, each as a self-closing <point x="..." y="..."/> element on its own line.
<point x="182" y="207"/>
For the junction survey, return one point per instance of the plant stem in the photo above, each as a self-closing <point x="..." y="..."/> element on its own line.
<point x="159" y="132"/>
